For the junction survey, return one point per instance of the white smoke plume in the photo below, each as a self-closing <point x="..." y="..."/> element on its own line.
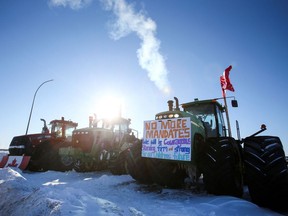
<point x="127" y="21"/>
<point x="73" y="4"/>
<point x="148" y="54"/>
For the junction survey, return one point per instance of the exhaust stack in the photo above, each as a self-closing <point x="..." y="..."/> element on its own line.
<point x="170" y="105"/>
<point x="177" y="104"/>
<point x="91" y="121"/>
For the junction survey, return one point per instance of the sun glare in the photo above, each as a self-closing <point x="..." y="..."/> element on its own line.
<point x="108" y="107"/>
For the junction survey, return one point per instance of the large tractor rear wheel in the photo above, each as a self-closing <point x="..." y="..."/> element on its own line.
<point x="136" y="164"/>
<point x="266" y="171"/>
<point x="222" y="167"/>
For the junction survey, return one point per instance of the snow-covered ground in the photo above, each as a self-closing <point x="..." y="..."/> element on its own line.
<point x="101" y="193"/>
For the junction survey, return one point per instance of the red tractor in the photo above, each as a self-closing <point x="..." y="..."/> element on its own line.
<point x="101" y="146"/>
<point x="43" y="148"/>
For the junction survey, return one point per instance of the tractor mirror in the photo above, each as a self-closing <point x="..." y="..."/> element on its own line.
<point x="234" y="103"/>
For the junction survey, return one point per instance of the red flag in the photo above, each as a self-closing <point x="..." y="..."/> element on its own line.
<point x="225" y="81"/>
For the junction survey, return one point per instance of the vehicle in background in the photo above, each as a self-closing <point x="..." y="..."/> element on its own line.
<point x="42" y="149"/>
<point x="102" y="145"/>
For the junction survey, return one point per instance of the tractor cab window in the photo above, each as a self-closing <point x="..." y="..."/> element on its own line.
<point x="220" y="120"/>
<point x="68" y="132"/>
<point x="123" y="128"/>
<point x="103" y="123"/>
<point x="122" y="132"/>
<point x="209" y="114"/>
<point x="57" y="128"/>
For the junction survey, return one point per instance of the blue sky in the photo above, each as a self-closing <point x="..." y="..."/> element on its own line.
<point x="94" y="51"/>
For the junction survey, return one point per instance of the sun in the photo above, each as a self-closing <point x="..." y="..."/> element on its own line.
<point x="109" y="106"/>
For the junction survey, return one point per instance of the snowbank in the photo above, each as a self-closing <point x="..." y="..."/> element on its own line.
<point x="101" y="193"/>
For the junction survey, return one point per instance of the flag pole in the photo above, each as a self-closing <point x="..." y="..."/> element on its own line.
<point x="227" y="114"/>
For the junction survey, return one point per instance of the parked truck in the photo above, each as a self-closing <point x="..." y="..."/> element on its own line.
<point x="192" y="145"/>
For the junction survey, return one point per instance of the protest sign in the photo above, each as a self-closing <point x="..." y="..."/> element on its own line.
<point x="167" y="139"/>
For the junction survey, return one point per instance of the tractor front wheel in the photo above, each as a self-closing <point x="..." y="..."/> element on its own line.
<point x="136" y="164"/>
<point x="167" y="173"/>
<point x="117" y="163"/>
<point x="222" y="167"/>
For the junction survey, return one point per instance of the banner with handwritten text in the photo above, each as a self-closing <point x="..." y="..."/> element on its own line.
<point x="167" y="139"/>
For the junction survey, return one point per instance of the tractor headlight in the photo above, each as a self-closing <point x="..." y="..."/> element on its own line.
<point x="167" y="116"/>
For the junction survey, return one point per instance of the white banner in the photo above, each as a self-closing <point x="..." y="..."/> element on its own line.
<point x="167" y="139"/>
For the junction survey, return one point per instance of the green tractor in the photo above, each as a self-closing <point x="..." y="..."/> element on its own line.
<point x="101" y="146"/>
<point x="192" y="145"/>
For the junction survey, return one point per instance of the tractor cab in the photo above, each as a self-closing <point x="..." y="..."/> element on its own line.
<point x="104" y="133"/>
<point x="210" y="113"/>
<point x="63" y="128"/>
<point x="119" y="126"/>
